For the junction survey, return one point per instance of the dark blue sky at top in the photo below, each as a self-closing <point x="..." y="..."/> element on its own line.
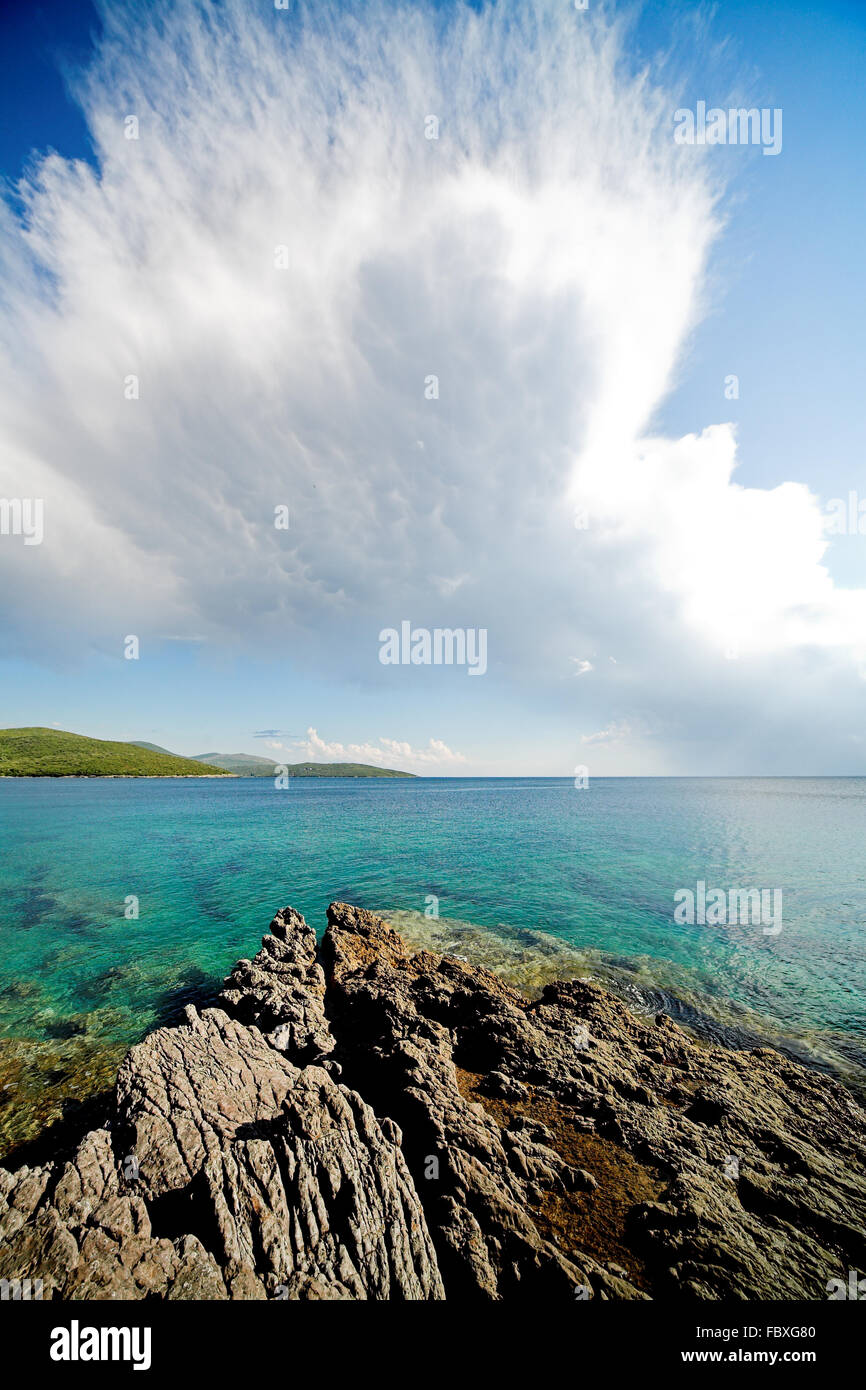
<point x="39" y="40"/>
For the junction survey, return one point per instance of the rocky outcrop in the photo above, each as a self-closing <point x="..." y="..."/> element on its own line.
<point x="353" y="1121"/>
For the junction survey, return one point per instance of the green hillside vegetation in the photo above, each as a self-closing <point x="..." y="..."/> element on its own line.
<point x="56" y="753"/>
<point x="248" y="765"/>
<point x="343" y="770"/>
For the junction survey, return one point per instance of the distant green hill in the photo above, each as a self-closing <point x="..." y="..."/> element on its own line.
<point x="343" y="770"/>
<point x="55" y="753"/>
<point x="241" y="764"/>
<point x="248" y="765"/>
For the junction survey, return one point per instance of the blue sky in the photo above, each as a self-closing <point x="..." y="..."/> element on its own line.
<point x="789" y="270"/>
<point x="621" y="663"/>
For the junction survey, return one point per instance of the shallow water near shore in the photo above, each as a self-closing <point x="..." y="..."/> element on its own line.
<point x="532" y="877"/>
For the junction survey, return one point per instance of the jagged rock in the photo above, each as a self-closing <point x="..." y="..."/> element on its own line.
<point x="87" y="1236"/>
<point x="356" y="1122"/>
<point x="290" y="1174"/>
<point x="282" y="991"/>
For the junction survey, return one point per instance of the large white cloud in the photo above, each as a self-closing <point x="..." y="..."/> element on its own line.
<point x="544" y="258"/>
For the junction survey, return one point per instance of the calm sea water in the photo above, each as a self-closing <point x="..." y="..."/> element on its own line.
<point x="210" y="862"/>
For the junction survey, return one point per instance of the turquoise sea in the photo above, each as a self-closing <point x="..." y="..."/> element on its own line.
<point x="531" y="875"/>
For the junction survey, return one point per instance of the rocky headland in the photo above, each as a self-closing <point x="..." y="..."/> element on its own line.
<point x="352" y="1121"/>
